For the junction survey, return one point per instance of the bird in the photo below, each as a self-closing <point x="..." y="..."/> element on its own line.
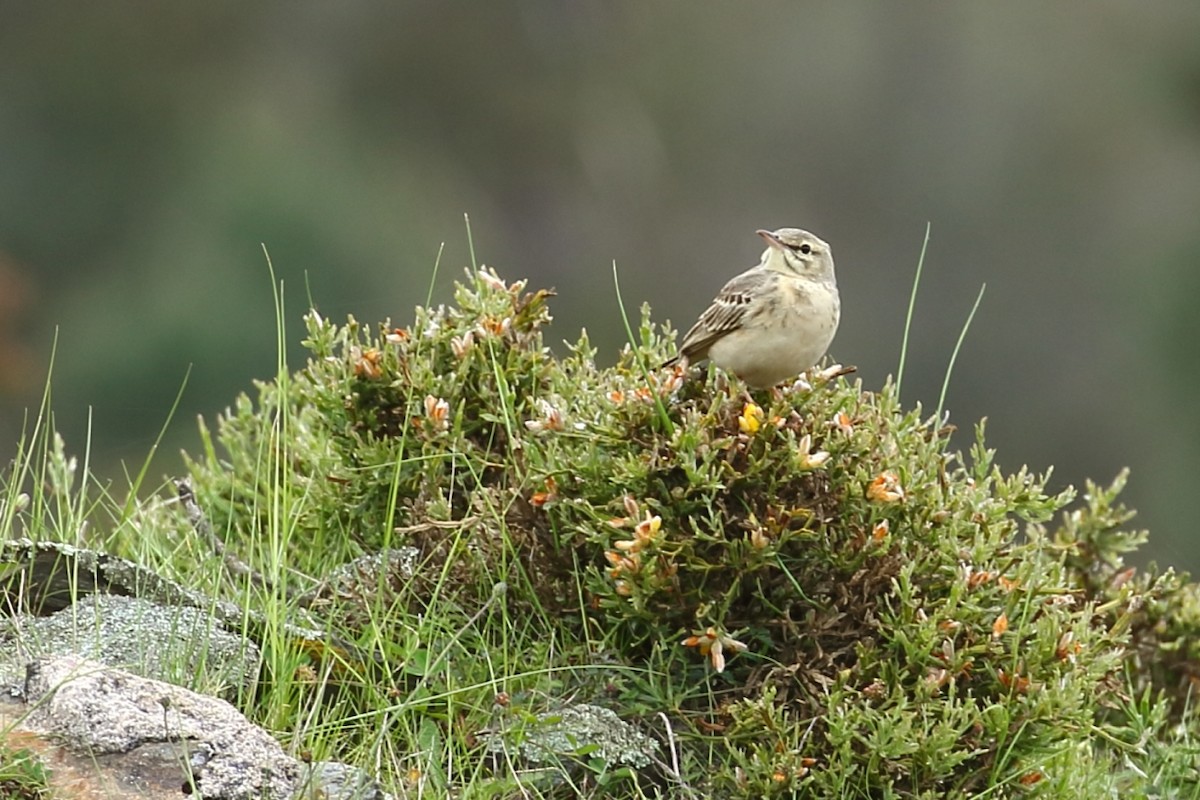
<point x="775" y="320"/>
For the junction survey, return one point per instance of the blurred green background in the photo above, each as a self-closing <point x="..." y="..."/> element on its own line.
<point x="148" y="150"/>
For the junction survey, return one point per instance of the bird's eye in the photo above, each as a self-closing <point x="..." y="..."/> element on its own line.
<point x="805" y="248"/>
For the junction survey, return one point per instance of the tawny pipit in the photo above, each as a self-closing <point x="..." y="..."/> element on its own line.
<point x="775" y="320"/>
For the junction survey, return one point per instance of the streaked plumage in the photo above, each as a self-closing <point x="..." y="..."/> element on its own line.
<point x="775" y="320"/>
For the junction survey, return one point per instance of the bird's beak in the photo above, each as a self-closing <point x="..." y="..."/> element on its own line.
<point x="771" y="239"/>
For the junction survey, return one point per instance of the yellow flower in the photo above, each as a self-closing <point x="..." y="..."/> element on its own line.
<point x="751" y="419"/>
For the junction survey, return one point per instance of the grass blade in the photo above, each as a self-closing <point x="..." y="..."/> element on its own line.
<point x="668" y="428"/>
<point x="954" y="355"/>
<point x="912" y="302"/>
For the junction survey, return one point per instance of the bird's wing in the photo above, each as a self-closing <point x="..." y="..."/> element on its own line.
<point x="727" y="311"/>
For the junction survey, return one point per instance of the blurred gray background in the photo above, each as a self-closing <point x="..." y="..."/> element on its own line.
<point x="147" y="150"/>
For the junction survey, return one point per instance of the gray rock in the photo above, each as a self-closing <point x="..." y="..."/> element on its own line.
<point x="201" y="741"/>
<point x="178" y="644"/>
<point x="41" y="578"/>
<point x="131" y="736"/>
<point x="333" y="780"/>
<point x="577" y="732"/>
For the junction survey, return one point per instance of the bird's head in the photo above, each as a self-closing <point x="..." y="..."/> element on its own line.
<point x="792" y="251"/>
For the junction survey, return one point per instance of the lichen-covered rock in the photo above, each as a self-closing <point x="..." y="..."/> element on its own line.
<point x="178" y="644"/>
<point x="576" y="731"/>
<point x="210" y="746"/>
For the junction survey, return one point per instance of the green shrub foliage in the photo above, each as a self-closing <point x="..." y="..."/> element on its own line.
<point x="829" y="600"/>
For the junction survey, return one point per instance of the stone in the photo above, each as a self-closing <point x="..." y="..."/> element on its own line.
<point x="184" y="738"/>
<point x="178" y="644"/>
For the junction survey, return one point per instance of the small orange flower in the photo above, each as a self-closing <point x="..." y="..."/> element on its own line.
<point x="646" y="532"/>
<point x="1030" y="778"/>
<point x="880" y="531"/>
<point x="1007" y="584"/>
<point x="979" y="578"/>
<point x="551" y="418"/>
<point x="886" y="488"/>
<point x="843" y="422"/>
<point x="496" y="327"/>
<point x="648" y="528"/>
<point x="999" y="626"/>
<point x="1015" y="681"/>
<point x="622" y="564"/>
<point x="713" y="644"/>
<point x="396" y="336"/>
<point x="367" y="362"/>
<point x="461" y="345"/>
<point x="673" y="381"/>
<point x="616" y="396"/>
<point x="437" y="411"/>
<point x="1067" y="648"/>
<point x="539" y="499"/>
